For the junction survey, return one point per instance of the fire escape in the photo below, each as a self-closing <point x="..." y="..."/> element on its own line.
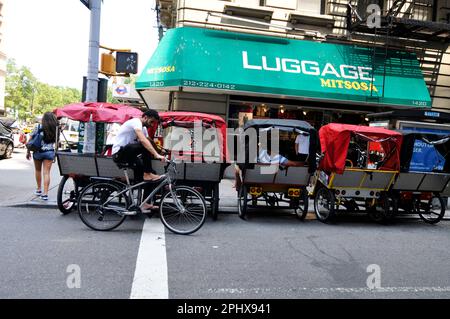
<point x="165" y="15"/>
<point x="400" y="29"/>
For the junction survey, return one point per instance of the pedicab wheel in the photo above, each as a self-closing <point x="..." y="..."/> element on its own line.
<point x="93" y="211"/>
<point x="383" y="210"/>
<point x="433" y="211"/>
<point x="242" y="202"/>
<point x="324" y="203"/>
<point x="302" y="210"/>
<point x="67" y="194"/>
<point x="215" y="202"/>
<point x="183" y="210"/>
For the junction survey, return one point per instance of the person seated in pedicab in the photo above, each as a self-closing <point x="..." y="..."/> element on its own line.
<point x="132" y="142"/>
<point x="267" y="156"/>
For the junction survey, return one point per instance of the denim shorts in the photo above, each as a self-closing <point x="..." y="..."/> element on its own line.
<point x="47" y="155"/>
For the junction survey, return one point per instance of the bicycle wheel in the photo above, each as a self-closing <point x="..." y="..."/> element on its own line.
<point x="215" y="201"/>
<point x="183" y="211"/>
<point x="94" y="213"/>
<point x="302" y="210"/>
<point x="324" y="204"/>
<point x="243" y="202"/>
<point x="433" y="210"/>
<point x="67" y="194"/>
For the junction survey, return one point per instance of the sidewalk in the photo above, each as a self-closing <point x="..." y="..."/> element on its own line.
<point x="17" y="182"/>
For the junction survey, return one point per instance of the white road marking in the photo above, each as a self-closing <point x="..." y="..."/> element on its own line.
<point x="328" y="290"/>
<point x="150" y="277"/>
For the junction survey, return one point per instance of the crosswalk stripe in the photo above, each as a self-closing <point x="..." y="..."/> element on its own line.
<point x="150" y="277"/>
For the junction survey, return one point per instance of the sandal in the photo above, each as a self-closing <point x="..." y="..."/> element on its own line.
<point x="149" y="208"/>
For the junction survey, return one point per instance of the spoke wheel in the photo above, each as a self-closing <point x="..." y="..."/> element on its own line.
<point x="432" y="210"/>
<point x="243" y="202"/>
<point x="183" y="211"/>
<point x="215" y="202"/>
<point x="93" y="211"/>
<point x="383" y="210"/>
<point x="302" y="210"/>
<point x="67" y="195"/>
<point x="324" y="204"/>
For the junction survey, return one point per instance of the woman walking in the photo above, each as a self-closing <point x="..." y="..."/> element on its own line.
<point x="43" y="158"/>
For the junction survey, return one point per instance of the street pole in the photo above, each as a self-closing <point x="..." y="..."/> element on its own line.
<point x="92" y="74"/>
<point x="94" y="47"/>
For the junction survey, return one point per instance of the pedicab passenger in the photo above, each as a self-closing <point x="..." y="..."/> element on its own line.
<point x="267" y="156"/>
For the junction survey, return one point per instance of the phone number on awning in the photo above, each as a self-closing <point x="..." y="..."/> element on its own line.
<point x="213" y="85"/>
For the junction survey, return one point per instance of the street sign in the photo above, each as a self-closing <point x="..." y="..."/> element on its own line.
<point x="121" y="90"/>
<point x="86" y="3"/>
<point x="127" y="62"/>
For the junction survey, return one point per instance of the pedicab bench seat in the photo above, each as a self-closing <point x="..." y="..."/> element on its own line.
<point x="75" y="164"/>
<point x="89" y="165"/>
<point x="362" y="179"/>
<point x="265" y="174"/>
<point x="421" y="182"/>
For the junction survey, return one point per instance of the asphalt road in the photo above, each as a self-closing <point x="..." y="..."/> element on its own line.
<point x="269" y="256"/>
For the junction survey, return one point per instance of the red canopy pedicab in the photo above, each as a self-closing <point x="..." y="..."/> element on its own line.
<point x="77" y="168"/>
<point x="357" y="167"/>
<point x="199" y="141"/>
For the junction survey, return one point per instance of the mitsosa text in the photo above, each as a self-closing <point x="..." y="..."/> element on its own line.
<point x="288" y="65"/>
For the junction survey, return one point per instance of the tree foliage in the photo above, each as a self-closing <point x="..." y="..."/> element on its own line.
<point x="29" y="97"/>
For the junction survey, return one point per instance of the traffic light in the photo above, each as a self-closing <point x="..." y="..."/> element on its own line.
<point x="108" y="64"/>
<point x="127" y="62"/>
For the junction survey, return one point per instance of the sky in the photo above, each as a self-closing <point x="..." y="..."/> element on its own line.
<point x="51" y="37"/>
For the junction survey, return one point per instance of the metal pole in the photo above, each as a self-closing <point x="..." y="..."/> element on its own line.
<point x="94" y="45"/>
<point x="92" y="74"/>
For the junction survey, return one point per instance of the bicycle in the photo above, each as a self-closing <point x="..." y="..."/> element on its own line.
<point x="104" y="204"/>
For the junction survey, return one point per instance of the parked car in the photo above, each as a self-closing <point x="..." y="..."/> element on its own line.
<point x="69" y="133"/>
<point x="6" y="138"/>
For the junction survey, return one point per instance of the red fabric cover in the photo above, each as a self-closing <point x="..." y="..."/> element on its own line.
<point x="335" y="139"/>
<point x="101" y="112"/>
<point x="220" y="124"/>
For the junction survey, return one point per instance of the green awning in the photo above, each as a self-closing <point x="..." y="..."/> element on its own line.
<point x="207" y="60"/>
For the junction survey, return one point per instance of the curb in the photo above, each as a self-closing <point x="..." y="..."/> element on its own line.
<point x="50" y="205"/>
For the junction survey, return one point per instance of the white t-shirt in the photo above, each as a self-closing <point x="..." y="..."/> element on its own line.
<point x="303" y="144"/>
<point x="127" y="135"/>
<point x="265" y="158"/>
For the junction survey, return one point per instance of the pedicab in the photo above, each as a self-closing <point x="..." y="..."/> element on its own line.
<point x="76" y="169"/>
<point x="275" y="186"/>
<point x="424" y="175"/>
<point x="198" y="141"/>
<point x="358" y="165"/>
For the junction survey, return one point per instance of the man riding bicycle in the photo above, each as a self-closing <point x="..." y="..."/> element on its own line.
<point x="132" y="141"/>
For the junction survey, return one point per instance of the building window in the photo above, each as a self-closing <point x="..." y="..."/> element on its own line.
<point x="313" y="6"/>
